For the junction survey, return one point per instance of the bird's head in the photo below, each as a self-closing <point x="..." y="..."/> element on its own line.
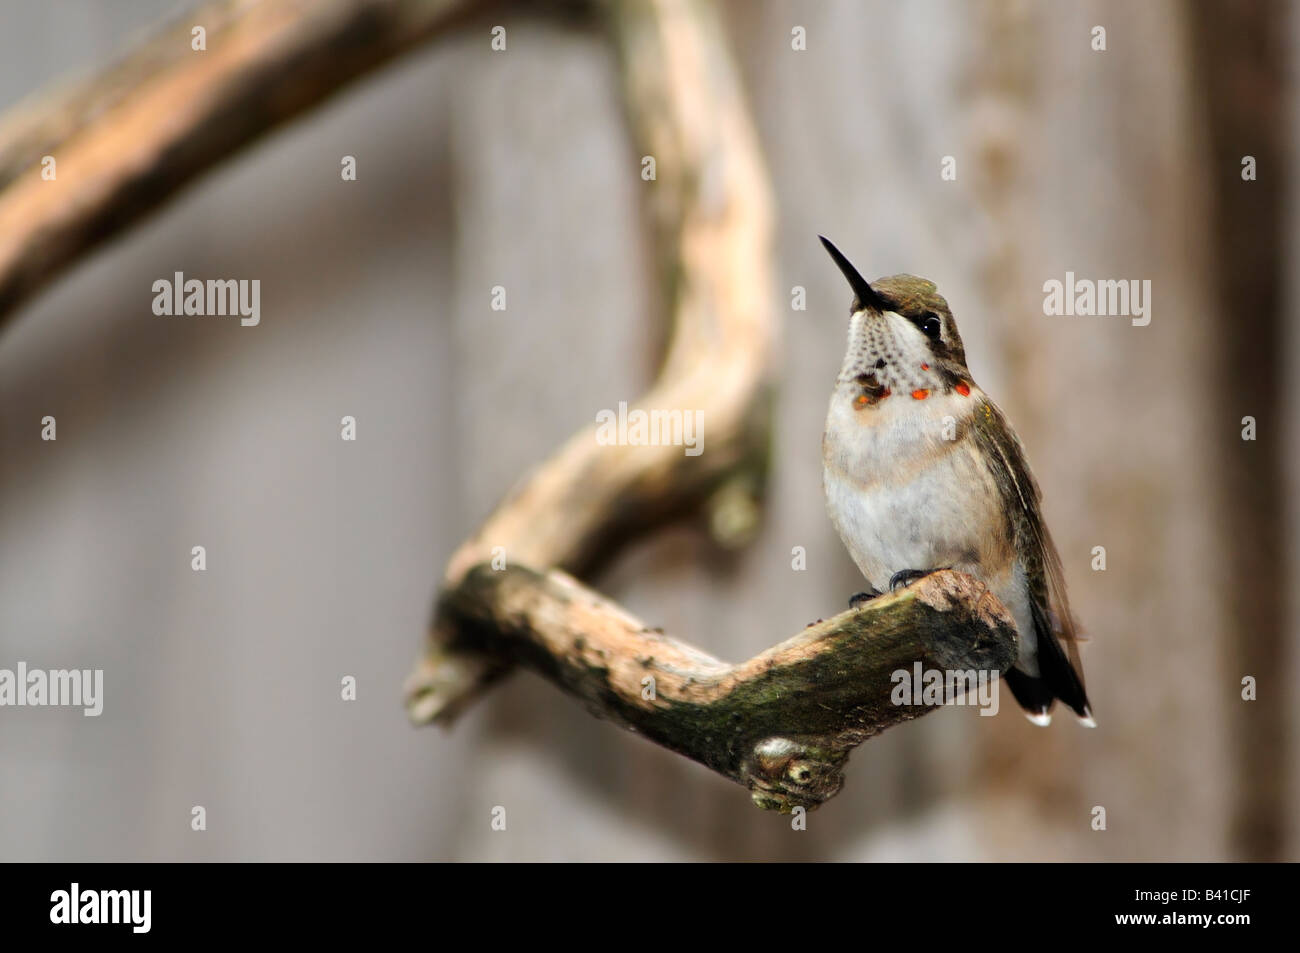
<point x="901" y="333"/>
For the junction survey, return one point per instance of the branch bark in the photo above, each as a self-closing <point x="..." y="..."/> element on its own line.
<point x="784" y="722"/>
<point x="710" y="213"/>
<point x="127" y="138"/>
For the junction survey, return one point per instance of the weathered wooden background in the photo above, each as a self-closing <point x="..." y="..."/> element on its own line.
<point x="479" y="169"/>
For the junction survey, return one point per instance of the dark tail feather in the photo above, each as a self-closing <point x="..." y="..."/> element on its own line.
<point x="1061" y="678"/>
<point x="1032" y="694"/>
<point x="1056" y="679"/>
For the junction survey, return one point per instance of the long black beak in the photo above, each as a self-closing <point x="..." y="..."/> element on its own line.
<point x="864" y="295"/>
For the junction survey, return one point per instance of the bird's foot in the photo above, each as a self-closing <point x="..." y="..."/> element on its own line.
<point x="905" y="577"/>
<point x="860" y="599"/>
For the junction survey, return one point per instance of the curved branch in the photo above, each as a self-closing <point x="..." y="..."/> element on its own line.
<point x="127" y="138"/>
<point x="711" y="215"/>
<point x="782" y="723"/>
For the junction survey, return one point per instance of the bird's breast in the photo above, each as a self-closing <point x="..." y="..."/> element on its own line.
<point x="907" y="487"/>
<point x="890" y="439"/>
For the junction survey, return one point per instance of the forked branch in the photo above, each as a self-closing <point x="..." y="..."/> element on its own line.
<point x="710" y="212"/>
<point x="782" y="723"/>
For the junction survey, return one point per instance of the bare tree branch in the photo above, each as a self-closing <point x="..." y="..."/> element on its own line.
<point x="711" y="214"/>
<point x="127" y="138"/>
<point x="782" y="723"/>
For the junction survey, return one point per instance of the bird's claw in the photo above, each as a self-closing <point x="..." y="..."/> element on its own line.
<point x="860" y="599"/>
<point x="905" y="577"/>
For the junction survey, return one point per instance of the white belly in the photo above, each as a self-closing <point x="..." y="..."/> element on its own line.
<point x="903" y="497"/>
<point x="931" y="518"/>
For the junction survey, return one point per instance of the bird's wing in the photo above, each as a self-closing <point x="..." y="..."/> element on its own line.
<point x="1020" y="495"/>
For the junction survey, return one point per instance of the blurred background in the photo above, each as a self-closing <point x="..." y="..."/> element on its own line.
<point x="475" y="170"/>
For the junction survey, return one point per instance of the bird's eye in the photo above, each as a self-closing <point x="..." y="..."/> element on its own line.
<point x="930" y="325"/>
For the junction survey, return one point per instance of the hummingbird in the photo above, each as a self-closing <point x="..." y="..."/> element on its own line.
<point x="922" y="472"/>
